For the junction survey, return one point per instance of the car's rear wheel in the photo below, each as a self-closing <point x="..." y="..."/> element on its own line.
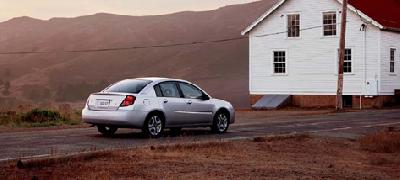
<point x="221" y="122"/>
<point x="106" y="130"/>
<point x="154" y="126"/>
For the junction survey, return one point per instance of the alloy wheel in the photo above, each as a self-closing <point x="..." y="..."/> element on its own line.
<point x="222" y="122"/>
<point x="154" y="125"/>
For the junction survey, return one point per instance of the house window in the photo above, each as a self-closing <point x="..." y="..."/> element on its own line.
<point x="293" y="25"/>
<point x="392" y="58"/>
<point x="279" y="62"/>
<point x="329" y="23"/>
<point x="347" y="61"/>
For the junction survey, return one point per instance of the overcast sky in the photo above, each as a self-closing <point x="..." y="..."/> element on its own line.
<point x="46" y="9"/>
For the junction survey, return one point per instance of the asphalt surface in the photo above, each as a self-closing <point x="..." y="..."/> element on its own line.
<point x="249" y="124"/>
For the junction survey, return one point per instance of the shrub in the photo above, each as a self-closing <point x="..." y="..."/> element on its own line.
<point x="40" y="116"/>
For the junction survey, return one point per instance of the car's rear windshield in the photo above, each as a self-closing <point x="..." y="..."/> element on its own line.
<point x="133" y="86"/>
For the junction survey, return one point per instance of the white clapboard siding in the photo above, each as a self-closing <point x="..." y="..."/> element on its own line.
<point x="312" y="58"/>
<point x="389" y="81"/>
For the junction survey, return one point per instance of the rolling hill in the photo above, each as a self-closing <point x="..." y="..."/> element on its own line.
<point x="58" y="76"/>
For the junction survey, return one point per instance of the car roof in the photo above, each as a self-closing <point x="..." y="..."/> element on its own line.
<point x="161" y="79"/>
<point x="152" y="78"/>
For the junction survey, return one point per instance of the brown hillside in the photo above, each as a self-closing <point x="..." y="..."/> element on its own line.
<point x="220" y="68"/>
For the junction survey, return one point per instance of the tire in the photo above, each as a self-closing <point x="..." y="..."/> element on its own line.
<point x="154" y="126"/>
<point x="106" y="130"/>
<point x="220" y="123"/>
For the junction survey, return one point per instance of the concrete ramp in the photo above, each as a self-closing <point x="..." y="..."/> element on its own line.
<point x="272" y="102"/>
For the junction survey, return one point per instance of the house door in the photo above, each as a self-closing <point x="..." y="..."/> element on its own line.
<point x="347" y="101"/>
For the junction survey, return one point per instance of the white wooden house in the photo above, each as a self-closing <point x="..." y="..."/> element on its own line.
<point x="294" y="52"/>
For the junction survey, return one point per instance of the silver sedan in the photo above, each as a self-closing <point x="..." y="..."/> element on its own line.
<point x="153" y="104"/>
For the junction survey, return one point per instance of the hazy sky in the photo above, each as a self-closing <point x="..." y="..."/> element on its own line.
<point x="45" y="9"/>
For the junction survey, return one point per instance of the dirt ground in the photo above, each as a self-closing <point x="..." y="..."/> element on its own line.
<point x="295" y="157"/>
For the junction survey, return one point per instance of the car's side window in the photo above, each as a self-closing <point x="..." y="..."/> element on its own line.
<point x="168" y="89"/>
<point x="158" y="91"/>
<point x="190" y="91"/>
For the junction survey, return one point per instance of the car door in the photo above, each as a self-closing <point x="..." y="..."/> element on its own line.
<point x="200" y="110"/>
<point x="173" y="105"/>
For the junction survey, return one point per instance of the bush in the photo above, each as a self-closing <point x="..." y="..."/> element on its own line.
<point x="40" y="116"/>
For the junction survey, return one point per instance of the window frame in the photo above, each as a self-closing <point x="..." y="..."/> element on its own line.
<point x="351" y="61"/>
<point x="287" y="25"/>
<point x="285" y="62"/>
<point x="336" y="24"/>
<point x="392" y="60"/>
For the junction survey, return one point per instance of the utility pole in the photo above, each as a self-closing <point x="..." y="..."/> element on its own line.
<point x="342" y="45"/>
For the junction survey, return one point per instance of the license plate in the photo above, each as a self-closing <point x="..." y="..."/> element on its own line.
<point x="103" y="103"/>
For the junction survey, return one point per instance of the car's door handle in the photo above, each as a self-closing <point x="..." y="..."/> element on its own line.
<point x="189" y="102"/>
<point x="165" y="101"/>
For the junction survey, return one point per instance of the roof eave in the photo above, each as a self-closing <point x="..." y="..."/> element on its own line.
<point x="391" y="29"/>
<point x="350" y="7"/>
<point x="261" y="18"/>
<point x="363" y="15"/>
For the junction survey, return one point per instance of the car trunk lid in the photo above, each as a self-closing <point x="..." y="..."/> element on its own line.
<point x="105" y="101"/>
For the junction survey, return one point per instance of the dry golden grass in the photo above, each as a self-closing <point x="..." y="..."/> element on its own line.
<point x="290" y="157"/>
<point x="28" y="116"/>
<point x="49" y="161"/>
<point x="381" y="142"/>
<point x="217" y="147"/>
<point x="295" y="137"/>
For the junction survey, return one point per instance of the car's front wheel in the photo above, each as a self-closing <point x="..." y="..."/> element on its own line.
<point x="107" y="131"/>
<point x="221" y="122"/>
<point x="154" y="126"/>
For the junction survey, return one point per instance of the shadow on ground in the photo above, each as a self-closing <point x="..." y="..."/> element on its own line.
<point x="139" y="135"/>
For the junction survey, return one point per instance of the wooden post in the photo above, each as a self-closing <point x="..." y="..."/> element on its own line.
<point x="342" y="46"/>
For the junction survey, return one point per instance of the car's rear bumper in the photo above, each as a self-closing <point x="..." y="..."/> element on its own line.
<point x="119" y="118"/>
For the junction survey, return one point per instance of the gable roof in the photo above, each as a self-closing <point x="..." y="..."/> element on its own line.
<point x="386" y="12"/>
<point x="380" y="13"/>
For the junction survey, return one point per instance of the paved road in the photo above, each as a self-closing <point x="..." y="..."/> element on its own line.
<point x="249" y="124"/>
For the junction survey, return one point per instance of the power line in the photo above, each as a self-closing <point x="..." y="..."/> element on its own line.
<point x="304" y="29"/>
<point x="284" y="32"/>
<point x="151" y="46"/>
<point x="23" y="52"/>
<point x="125" y="48"/>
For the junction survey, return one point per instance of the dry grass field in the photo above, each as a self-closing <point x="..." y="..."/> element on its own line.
<point x="292" y="157"/>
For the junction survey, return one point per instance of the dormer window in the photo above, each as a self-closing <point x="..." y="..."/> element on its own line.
<point x="329" y="23"/>
<point x="293" y="25"/>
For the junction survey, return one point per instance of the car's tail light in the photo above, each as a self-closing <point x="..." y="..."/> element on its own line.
<point x="129" y="100"/>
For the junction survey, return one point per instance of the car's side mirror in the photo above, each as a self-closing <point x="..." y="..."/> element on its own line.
<point x="204" y="97"/>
